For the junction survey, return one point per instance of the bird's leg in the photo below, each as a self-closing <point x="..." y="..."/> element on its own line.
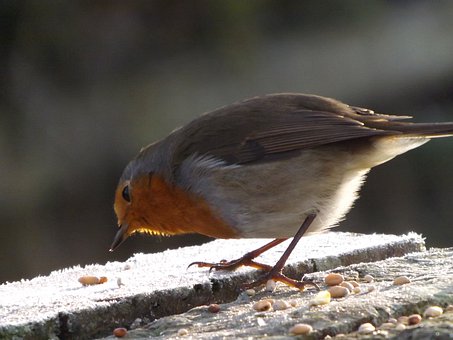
<point x="246" y="260"/>
<point x="275" y="273"/>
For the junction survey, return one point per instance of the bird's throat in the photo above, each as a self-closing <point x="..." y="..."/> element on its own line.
<point x="164" y="208"/>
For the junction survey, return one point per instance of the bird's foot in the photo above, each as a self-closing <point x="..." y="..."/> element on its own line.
<point x="270" y="272"/>
<point x="232" y="265"/>
<point x="279" y="277"/>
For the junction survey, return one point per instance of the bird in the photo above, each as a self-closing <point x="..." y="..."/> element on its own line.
<point x="275" y="166"/>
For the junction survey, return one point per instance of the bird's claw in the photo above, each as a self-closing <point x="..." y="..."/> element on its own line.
<point x="222" y="265"/>
<point x="279" y="277"/>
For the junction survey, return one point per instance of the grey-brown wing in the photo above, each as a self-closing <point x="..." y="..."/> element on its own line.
<point x="262" y="135"/>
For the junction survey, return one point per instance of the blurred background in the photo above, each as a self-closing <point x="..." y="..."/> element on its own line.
<point x="85" y="84"/>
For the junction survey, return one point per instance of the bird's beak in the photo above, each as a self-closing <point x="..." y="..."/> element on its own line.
<point x="120" y="237"/>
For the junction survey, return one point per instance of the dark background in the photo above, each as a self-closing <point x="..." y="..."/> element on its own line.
<point x="86" y="84"/>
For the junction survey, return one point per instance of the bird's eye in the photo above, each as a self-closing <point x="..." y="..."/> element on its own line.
<point x="126" y="194"/>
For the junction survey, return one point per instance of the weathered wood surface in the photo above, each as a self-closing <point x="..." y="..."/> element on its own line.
<point x="158" y="285"/>
<point x="431" y="275"/>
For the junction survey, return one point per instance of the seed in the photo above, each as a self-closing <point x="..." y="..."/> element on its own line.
<point x="387" y="325"/>
<point x="119" y="332"/>
<point x="401" y="280"/>
<point x="213" y="308"/>
<point x="333" y="279"/>
<point x="322" y="298"/>
<point x="403" y="319"/>
<point x="368" y="278"/>
<point x="432" y="312"/>
<point x="271" y="285"/>
<point x="449" y="308"/>
<point x="280" y="305"/>
<point x="400" y="326"/>
<point x="414" y="319"/>
<point x="89" y="280"/>
<point x="347" y="285"/>
<point x="392" y="320"/>
<point x="338" y="291"/>
<point x="250" y="292"/>
<point x="262" y="306"/>
<point x="301" y="328"/>
<point x="366" y="328"/>
<point x="354" y="283"/>
<point x="183" y="332"/>
<point x="356" y="290"/>
<point x="371" y="288"/>
<point x="102" y="279"/>
<point x="293" y="303"/>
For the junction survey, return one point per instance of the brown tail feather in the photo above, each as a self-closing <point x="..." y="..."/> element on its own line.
<point x="431" y="130"/>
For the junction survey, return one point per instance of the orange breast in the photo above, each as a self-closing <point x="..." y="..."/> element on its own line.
<point x="170" y="210"/>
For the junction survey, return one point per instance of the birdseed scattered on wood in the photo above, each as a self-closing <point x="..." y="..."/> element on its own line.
<point x="120" y="332"/>
<point x="333" y="279"/>
<point x="368" y="278"/>
<point x="414" y="319"/>
<point x="321" y="298"/>
<point x="262" y="306"/>
<point x="366" y="328"/>
<point x="301" y="328"/>
<point x="433" y="311"/>
<point x="338" y="291"/>
<point x="401" y="280"/>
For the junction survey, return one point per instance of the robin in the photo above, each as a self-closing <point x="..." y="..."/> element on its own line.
<point x="276" y="166"/>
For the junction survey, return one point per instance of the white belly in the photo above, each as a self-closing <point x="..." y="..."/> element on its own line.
<point x="273" y="199"/>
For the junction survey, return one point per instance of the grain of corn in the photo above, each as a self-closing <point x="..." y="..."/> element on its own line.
<point x="103" y="279"/>
<point x="321" y="298"/>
